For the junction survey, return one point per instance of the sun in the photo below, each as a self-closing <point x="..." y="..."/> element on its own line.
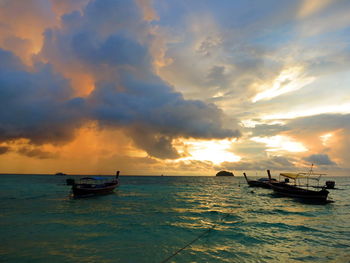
<point x="215" y="151"/>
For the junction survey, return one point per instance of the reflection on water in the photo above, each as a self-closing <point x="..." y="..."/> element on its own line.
<point x="149" y="218"/>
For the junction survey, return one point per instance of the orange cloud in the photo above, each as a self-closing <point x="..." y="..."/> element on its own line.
<point x="310" y="7"/>
<point x="22" y="34"/>
<point x="93" y="151"/>
<point x="149" y="14"/>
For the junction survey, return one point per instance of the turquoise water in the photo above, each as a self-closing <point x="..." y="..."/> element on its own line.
<point x="147" y="219"/>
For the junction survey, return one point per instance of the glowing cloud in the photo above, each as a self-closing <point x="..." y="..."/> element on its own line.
<point x="288" y="80"/>
<point x="280" y="143"/>
<point x="326" y="138"/>
<point x="310" y="7"/>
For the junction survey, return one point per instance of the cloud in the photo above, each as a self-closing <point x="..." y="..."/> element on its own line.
<point x="309" y="7"/>
<point x="311" y="131"/>
<point x="149" y="13"/>
<point x="154" y="121"/>
<point x="109" y="41"/>
<point x="321" y="159"/>
<point x="274" y="163"/>
<point x="36" y="153"/>
<point x="263" y="130"/>
<point x="331" y="16"/>
<point x="35" y="105"/>
<point x="23" y="34"/>
<point x="155" y="144"/>
<point x="4" y="149"/>
<point x="322" y="122"/>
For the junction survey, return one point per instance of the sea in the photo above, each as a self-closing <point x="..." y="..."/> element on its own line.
<point x="169" y="219"/>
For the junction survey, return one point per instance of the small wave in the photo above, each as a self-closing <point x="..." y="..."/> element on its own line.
<point x="35" y="197"/>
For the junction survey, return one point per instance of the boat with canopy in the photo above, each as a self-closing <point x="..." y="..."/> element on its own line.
<point x="298" y="185"/>
<point x="94" y="185"/>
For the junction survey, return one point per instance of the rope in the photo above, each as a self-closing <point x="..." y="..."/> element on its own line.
<point x="194" y="240"/>
<point x="190" y="243"/>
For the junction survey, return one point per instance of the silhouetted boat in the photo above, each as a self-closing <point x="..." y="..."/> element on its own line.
<point x="262" y="182"/>
<point x="59" y="173"/>
<point x="95" y="185"/>
<point x="300" y="188"/>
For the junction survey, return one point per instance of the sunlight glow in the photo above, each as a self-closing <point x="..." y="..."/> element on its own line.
<point x="215" y="151"/>
<point x="310" y="7"/>
<point x="280" y="143"/>
<point x="288" y="80"/>
<point x="249" y="123"/>
<point x="325" y="138"/>
<point x="219" y="94"/>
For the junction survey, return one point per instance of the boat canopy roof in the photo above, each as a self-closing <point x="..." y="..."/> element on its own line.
<point x="301" y="175"/>
<point x="292" y="175"/>
<point x="96" y="178"/>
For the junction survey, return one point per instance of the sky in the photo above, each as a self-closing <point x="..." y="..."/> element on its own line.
<point x="152" y="87"/>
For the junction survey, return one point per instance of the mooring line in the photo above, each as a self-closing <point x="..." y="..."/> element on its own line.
<point x="187" y="245"/>
<point x="194" y="240"/>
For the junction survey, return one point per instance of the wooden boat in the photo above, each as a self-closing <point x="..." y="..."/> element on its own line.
<point x="95" y="185"/>
<point x="262" y="182"/>
<point x="298" y="192"/>
<point x="298" y="188"/>
<point x="59" y="173"/>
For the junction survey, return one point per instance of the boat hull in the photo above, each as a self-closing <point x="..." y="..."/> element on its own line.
<point x="81" y="190"/>
<point x="253" y="183"/>
<point x="297" y="192"/>
<point x="258" y="183"/>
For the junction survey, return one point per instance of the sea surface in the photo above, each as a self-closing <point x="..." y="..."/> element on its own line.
<point x="150" y="219"/>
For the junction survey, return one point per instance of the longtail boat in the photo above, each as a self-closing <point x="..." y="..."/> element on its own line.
<point x="261" y="182"/>
<point x="297" y="185"/>
<point x="95" y="185"/>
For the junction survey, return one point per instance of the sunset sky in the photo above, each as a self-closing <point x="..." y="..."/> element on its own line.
<point x="152" y="87"/>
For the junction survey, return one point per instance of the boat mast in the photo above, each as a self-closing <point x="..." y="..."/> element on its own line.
<point x="310" y="173"/>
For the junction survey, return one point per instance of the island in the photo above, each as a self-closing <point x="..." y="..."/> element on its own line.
<point x="224" y="173"/>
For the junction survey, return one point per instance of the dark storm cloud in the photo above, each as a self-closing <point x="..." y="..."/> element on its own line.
<point x="161" y="111"/>
<point x="35" y="105"/>
<point x="154" y="144"/>
<point x="35" y="153"/>
<point x="320" y="159"/>
<point x="115" y="50"/>
<point x="156" y="114"/>
<point x="109" y="41"/>
<point x="9" y="62"/>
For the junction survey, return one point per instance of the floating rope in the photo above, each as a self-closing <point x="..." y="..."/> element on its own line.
<point x="194" y="240"/>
